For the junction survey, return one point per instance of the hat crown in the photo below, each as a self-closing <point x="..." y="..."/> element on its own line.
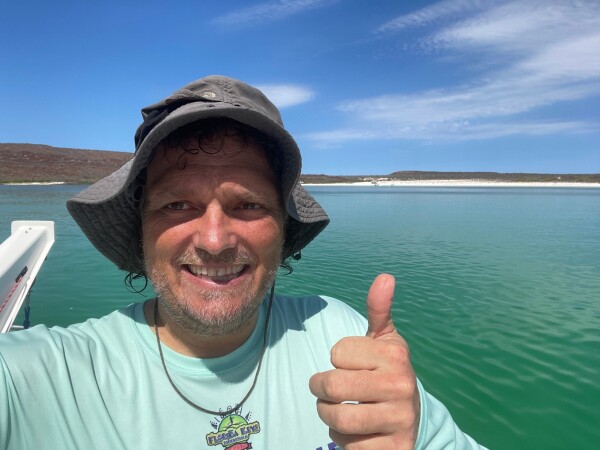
<point x="217" y="88"/>
<point x="211" y="89"/>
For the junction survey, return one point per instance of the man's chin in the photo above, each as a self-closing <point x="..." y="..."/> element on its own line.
<point x="212" y="312"/>
<point x="213" y="320"/>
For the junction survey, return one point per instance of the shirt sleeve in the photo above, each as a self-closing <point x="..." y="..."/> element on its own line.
<point x="5" y="416"/>
<point x="437" y="430"/>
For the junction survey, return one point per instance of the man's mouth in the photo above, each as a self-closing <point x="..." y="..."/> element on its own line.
<point x="217" y="274"/>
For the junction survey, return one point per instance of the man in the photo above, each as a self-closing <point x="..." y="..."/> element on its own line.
<point x="208" y="209"/>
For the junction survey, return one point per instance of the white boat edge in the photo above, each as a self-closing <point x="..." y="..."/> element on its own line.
<point x="21" y="257"/>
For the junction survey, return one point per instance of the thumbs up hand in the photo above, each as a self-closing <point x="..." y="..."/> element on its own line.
<point x="370" y="400"/>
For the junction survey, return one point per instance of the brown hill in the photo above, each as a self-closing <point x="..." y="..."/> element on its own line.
<point x="43" y="163"/>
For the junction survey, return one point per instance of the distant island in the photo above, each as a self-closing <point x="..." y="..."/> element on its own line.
<point x="35" y="163"/>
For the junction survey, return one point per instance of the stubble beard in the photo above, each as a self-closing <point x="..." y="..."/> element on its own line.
<point x="227" y="315"/>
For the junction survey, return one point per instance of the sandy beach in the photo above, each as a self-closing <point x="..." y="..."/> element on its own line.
<point x="408" y="183"/>
<point x="35" y="183"/>
<point x="460" y="183"/>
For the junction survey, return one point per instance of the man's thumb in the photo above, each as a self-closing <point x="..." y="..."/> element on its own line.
<point x="379" y="306"/>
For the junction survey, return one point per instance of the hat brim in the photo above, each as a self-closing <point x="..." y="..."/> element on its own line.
<point x="109" y="215"/>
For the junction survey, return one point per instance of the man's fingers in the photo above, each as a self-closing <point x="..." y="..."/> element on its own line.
<point x="363" y="352"/>
<point x="357" y="440"/>
<point x="379" y="306"/>
<point x="366" y="419"/>
<point x="370" y="441"/>
<point x="361" y="386"/>
<point x="352" y="419"/>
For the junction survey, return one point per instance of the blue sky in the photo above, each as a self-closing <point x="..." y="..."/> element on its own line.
<point x="366" y="87"/>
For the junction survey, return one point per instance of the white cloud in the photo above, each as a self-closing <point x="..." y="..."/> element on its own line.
<point x="284" y="95"/>
<point x="568" y="60"/>
<point x="450" y="132"/>
<point x="430" y="14"/>
<point x="268" y="11"/>
<point x="519" y="26"/>
<point x="537" y="54"/>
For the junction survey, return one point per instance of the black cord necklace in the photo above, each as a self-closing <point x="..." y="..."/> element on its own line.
<point x="262" y="353"/>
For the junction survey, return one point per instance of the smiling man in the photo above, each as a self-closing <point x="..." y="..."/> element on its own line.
<point x="212" y="227"/>
<point x="208" y="209"/>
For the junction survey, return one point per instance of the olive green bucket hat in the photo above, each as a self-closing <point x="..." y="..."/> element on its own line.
<point x="108" y="211"/>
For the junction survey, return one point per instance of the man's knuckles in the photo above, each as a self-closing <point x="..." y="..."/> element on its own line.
<point x="395" y="351"/>
<point x="392" y="387"/>
<point x="401" y="387"/>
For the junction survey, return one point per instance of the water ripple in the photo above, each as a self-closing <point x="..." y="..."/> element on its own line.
<point x="497" y="294"/>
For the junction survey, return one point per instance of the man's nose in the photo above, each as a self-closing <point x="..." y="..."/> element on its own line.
<point x="214" y="231"/>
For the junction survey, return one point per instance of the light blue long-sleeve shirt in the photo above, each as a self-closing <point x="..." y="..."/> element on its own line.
<point x="101" y="385"/>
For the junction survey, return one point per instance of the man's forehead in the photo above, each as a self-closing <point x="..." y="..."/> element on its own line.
<point x="227" y="159"/>
<point x="237" y="177"/>
<point x="221" y="142"/>
<point x="224" y="151"/>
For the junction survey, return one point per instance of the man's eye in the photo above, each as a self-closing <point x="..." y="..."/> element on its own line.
<point x="251" y="206"/>
<point x="177" y="206"/>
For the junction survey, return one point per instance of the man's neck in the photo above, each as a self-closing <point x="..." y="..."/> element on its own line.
<point x="187" y="344"/>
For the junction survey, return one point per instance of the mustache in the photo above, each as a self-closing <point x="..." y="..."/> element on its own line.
<point x="202" y="257"/>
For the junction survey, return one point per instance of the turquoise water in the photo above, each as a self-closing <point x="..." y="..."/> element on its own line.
<point x="498" y="294"/>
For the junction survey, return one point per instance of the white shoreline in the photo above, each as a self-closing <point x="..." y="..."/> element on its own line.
<point x="401" y="183"/>
<point x="459" y="183"/>
<point x="34" y="183"/>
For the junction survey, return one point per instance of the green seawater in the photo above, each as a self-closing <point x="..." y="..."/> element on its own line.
<point x="498" y="294"/>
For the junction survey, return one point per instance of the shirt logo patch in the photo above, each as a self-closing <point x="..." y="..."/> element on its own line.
<point x="233" y="431"/>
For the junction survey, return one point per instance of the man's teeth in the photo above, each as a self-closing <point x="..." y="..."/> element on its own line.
<point x="212" y="272"/>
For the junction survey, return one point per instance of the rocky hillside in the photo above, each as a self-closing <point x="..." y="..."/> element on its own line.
<point x="42" y="163"/>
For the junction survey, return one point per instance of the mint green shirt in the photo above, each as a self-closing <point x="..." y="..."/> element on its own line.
<point x="100" y="384"/>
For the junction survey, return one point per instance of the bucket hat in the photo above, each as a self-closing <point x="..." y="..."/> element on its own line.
<point x="108" y="212"/>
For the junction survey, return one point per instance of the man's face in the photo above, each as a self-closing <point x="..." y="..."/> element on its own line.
<point x="212" y="227"/>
